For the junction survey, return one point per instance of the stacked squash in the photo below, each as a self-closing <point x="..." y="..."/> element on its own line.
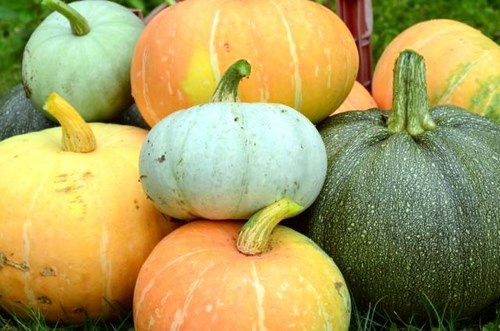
<point x="246" y="124"/>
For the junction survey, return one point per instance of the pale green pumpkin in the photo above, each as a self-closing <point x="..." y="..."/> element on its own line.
<point x="83" y="54"/>
<point x="228" y="159"/>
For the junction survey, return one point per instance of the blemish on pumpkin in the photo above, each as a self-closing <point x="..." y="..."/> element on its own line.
<point x="87" y="175"/>
<point x="80" y="311"/>
<point x="48" y="271"/>
<point x="136" y="204"/>
<point x="5" y="262"/>
<point x="236" y="119"/>
<point x="44" y="300"/>
<point x="226" y="46"/>
<point x="161" y="159"/>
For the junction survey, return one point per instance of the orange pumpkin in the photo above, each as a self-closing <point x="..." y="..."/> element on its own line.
<point x="463" y="66"/>
<point x="302" y="55"/>
<point x="358" y="99"/>
<point x="220" y="275"/>
<point x="75" y="225"/>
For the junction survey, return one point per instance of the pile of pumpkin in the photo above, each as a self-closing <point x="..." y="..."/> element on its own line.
<point x="171" y="206"/>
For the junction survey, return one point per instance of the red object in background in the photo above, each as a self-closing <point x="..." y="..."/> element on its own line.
<point x="358" y="16"/>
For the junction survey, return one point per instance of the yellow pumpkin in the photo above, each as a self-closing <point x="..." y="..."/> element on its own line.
<point x="75" y="225"/>
<point x="302" y="55"/>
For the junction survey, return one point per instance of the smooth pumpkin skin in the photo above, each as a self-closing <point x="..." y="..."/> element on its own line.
<point x="196" y="279"/>
<point x="92" y="71"/>
<point x="302" y="55"/>
<point x="229" y="159"/>
<point x="358" y="99"/>
<point x="403" y="215"/>
<point x="79" y="221"/>
<point x="463" y="66"/>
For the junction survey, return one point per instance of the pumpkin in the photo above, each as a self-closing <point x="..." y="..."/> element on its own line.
<point x="302" y="54"/>
<point x="75" y="225"/>
<point x="17" y="115"/>
<point x="358" y="99"/>
<point x="463" y="66"/>
<point x="228" y="159"/>
<point x="223" y="275"/>
<point x="83" y="52"/>
<point x="409" y="208"/>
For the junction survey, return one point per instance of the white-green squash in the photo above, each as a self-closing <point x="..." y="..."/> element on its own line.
<point x="83" y="51"/>
<point x="227" y="159"/>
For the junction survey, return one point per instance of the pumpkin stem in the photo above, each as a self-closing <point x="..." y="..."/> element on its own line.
<point x="255" y="233"/>
<point x="77" y="135"/>
<point x="79" y="25"/>
<point x="227" y="88"/>
<point x="410" y="109"/>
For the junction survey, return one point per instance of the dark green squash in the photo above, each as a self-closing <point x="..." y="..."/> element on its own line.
<point x="410" y="209"/>
<point x="131" y="116"/>
<point x="18" y="116"/>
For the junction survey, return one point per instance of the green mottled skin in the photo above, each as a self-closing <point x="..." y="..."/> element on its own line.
<point x="403" y="215"/>
<point x="411" y="214"/>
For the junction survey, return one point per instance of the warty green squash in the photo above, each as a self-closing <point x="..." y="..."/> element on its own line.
<point x="410" y="206"/>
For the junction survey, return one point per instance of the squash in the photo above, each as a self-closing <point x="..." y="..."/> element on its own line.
<point x="17" y="115"/>
<point x="302" y="54"/>
<point x="75" y="224"/>
<point x="223" y="275"/>
<point x="83" y="52"/>
<point x="227" y="159"/>
<point x="409" y="208"/>
<point x="463" y="66"/>
<point x="358" y="99"/>
<point x="131" y="116"/>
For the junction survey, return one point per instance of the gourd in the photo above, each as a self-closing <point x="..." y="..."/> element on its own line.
<point x="227" y="275"/>
<point x="358" y="99"/>
<point x="302" y="54"/>
<point x="227" y="159"/>
<point x="463" y="66"/>
<point x="83" y="52"/>
<point x="409" y="208"/>
<point x="17" y="115"/>
<point x="75" y="224"/>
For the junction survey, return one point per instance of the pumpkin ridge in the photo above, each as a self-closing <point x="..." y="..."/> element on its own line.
<point x="297" y="103"/>
<point x="457" y="77"/>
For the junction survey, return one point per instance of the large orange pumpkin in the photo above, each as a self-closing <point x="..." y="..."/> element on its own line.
<point x="302" y="55"/>
<point x="218" y="275"/>
<point x="75" y="225"/>
<point x="463" y="66"/>
<point x="358" y="99"/>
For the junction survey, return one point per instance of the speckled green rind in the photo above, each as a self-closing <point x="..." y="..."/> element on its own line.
<point x="18" y="116"/>
<point x="407" y="218"/>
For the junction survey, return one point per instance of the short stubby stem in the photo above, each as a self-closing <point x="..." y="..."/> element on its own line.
<point x="410" y="109"/>
<point x="227" y="88"/>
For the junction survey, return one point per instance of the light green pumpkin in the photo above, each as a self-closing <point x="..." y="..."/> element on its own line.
<point x="227" y="159"/>
<point x="410" y="208"/>
<point x="83" y="52"/>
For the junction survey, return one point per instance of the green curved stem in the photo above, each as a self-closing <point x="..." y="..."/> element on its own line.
<point x="227" y="88"/>
<point x="79" y="25"/>
<point x="410" y="109"/>
<point x="255" y="233"/>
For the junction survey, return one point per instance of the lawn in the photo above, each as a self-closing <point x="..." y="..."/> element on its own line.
<point x="19" y="18"/>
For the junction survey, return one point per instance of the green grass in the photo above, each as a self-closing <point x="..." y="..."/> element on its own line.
<point x="19" y="18"/>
